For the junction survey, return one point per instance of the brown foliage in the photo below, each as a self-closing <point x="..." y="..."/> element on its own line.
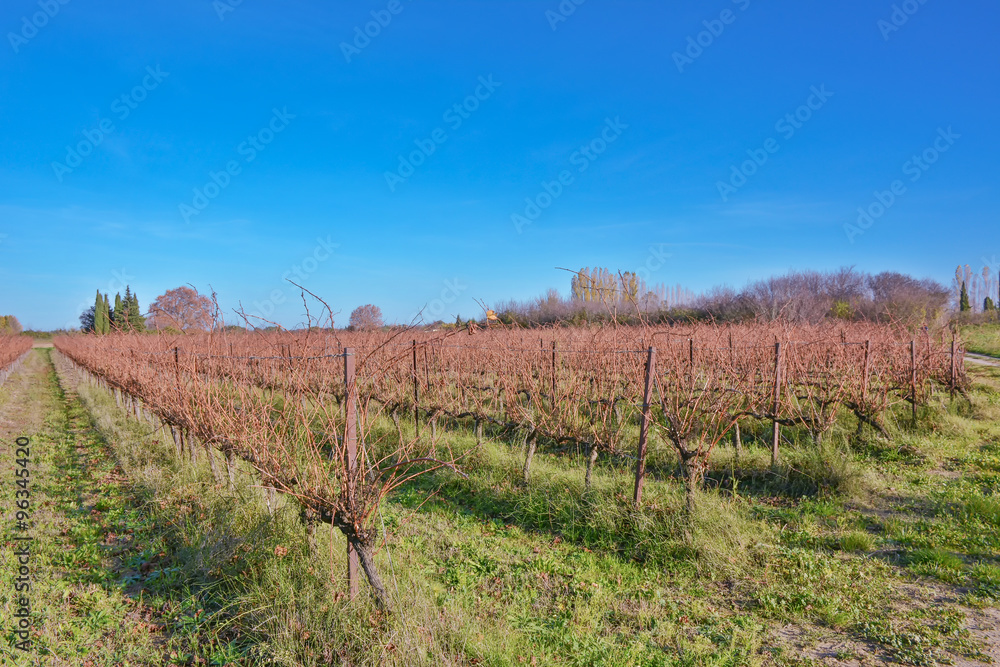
<point x="276" y="399"/>
<point x="366" y="317"/>
<point x="11" y="348"/>
<point x="183" y="309"/>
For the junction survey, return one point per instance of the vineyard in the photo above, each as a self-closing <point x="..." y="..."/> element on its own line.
<point x="13" y="350"/>
<point x="338" y="420"/>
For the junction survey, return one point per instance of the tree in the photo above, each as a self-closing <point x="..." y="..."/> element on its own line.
<point x="988" y="305"/>
<point x="118" y="314"/>
<point x="9" y="325"/>
<point x="181" y="308"/>
<point x="963" y="299"/>
<point x="107" y="316"/>
<point x="365" y="317"/>
<point x="98" y="312"/>
<point x="87" y="319"/>
<point x="102" y="319"/>
<point x="136" y="322"/>
<point x="841" y="310"/>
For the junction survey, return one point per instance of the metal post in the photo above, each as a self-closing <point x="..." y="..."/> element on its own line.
<point x="913" y="378"/>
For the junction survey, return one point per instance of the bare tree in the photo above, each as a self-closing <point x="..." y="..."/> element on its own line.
<point x="181" y="308"/>
<point x="366" y="317"/>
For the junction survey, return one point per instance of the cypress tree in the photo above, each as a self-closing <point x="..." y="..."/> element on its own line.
<point x="98" y="313"/>
<point x="118" y="314"/>
<point x="127" y="309"/>
<point x="963" y="299"/>
<point x="136" y="321"/>
<point x="107" y="315"/>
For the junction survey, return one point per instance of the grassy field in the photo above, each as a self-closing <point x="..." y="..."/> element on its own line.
<point x="863" y="551"/>
<point x="982" y="339"/>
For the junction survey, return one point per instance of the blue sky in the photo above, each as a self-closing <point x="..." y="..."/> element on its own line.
<point x="118" y="115"/>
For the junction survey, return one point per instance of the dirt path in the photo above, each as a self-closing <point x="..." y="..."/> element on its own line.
<point x="981" y="359"/>
<point x="83" y="531"/>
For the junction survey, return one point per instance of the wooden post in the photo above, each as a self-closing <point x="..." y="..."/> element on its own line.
<point x="864" y="385"/>
<point x="691" y="358"/>
<point x="776" y="427"/>
<point x="913" y="378"/>
<point x="461" y="382"/>
<point x="416" y="393"/>
<point x="351" y="451"/>
<point x="647" y="396"/>
<point x="951" y="374"/>
<point x="554" y="407"/>
<point x="177" y="441"/>
<point x="427" y="368"/>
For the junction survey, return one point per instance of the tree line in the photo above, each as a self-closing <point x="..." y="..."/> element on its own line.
<point x="600" y="295"/>
<point x="973" y="289"/>
<point x="102" y="318"/>
<point x="179" y="309"/>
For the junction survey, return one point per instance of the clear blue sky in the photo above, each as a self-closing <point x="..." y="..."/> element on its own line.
<point x="199" y="81"/>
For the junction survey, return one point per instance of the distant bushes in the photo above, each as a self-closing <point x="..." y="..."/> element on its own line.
<point x="798" y="296"/>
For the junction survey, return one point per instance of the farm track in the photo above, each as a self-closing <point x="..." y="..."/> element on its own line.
<point x="982" y="359"/>
<point x="90" y="534"/>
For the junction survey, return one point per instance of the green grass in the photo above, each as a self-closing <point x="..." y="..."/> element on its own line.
<point x="982" y="338"/>
<point x="107" y="589"/>
<point x="486" y="570"/>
